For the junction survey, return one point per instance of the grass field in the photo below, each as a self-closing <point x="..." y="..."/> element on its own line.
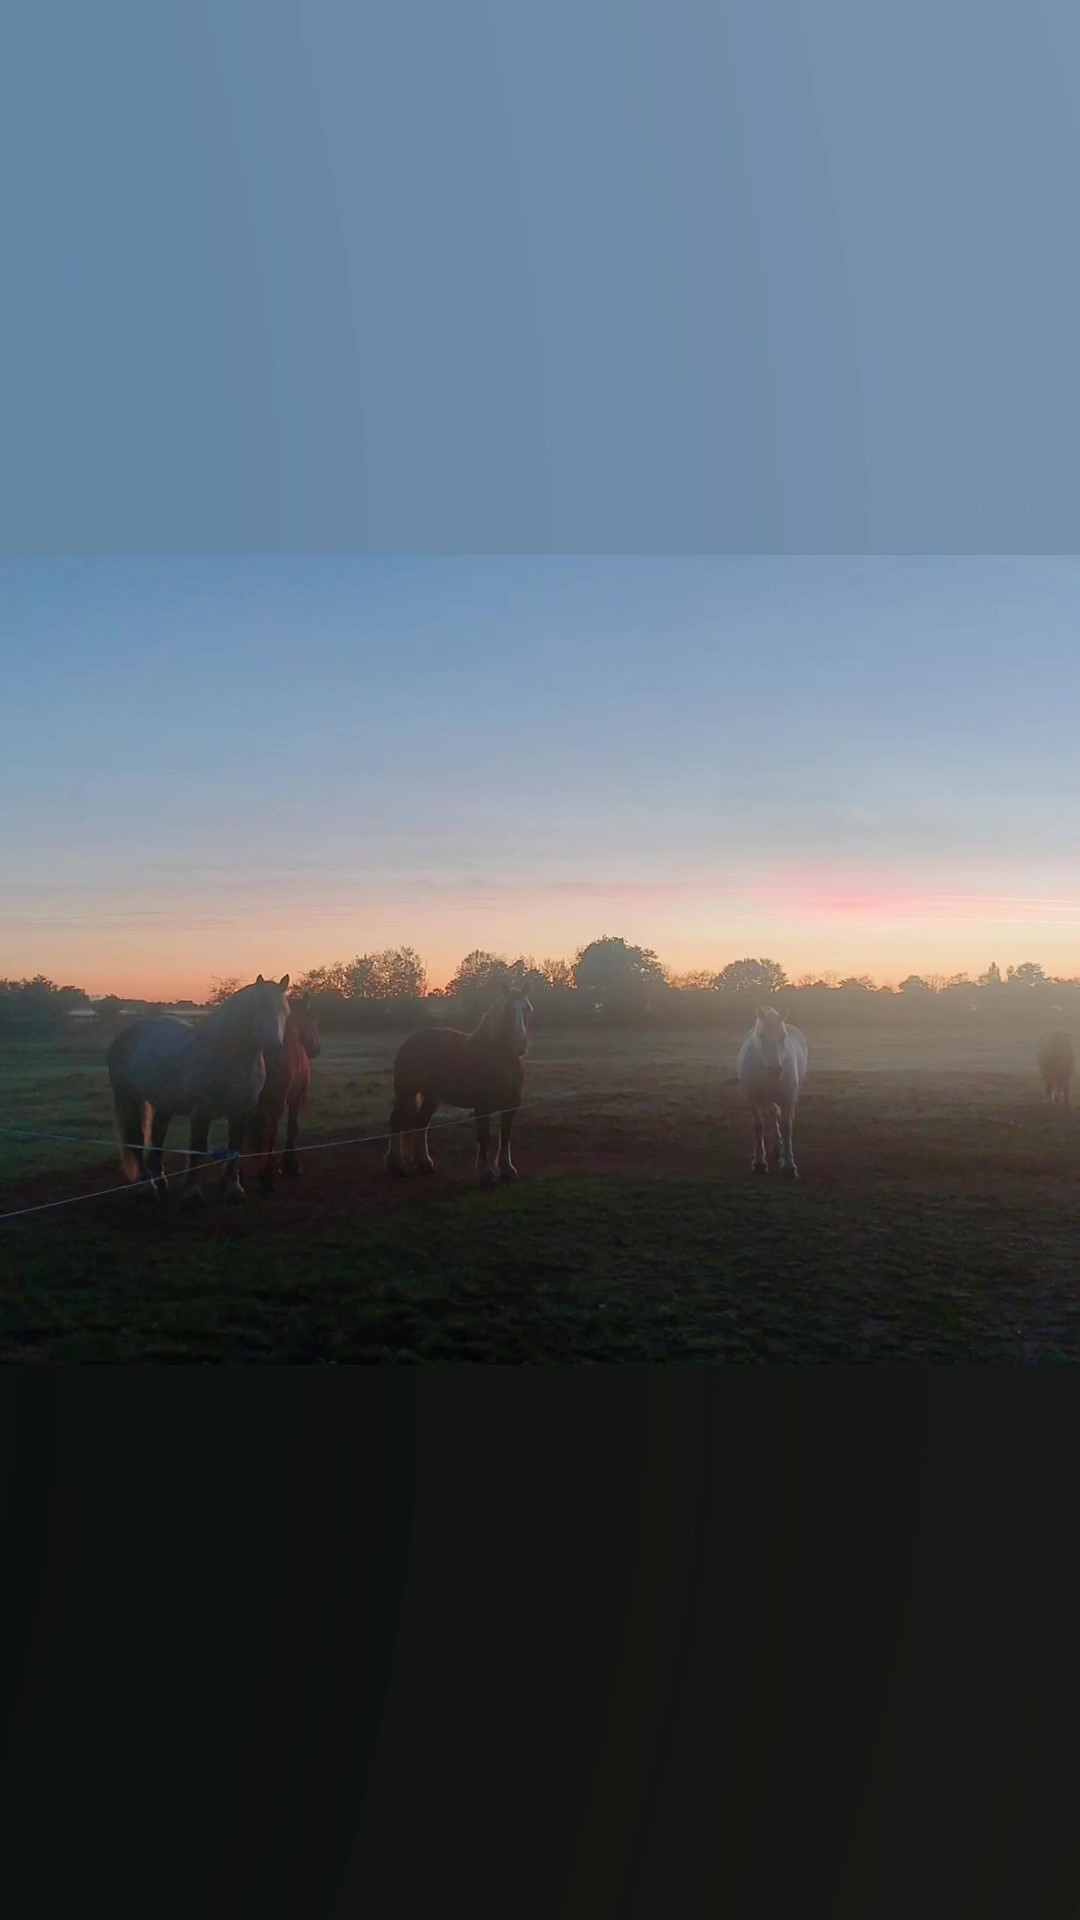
<point x="936" y="1218"/>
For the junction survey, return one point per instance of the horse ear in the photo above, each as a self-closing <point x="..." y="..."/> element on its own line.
<point x="283" y="983"/>
<point x="761" y="1013"/>
<point x="259" y="981"/>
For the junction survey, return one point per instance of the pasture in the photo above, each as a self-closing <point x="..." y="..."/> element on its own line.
<point x="936" y="1217"/>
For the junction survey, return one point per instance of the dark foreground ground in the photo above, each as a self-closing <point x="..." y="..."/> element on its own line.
<point x="936" y="1218"/>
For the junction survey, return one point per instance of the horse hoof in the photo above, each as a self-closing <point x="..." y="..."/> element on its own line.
<point x="508" y="1174"/>
<point x="235" y="1196"/>
<point x="759" y="1167"/>
<point x="397" y="1169"/>
<point x="790" y="1172"/>
<point x="488" y="1177"/>
<point x="266" y="1183"/>
<point x="194" y="1198"/>
<point x="148" y="1190"/>
<point x="291" y="1169"/>
<point x="425" y="1166"/>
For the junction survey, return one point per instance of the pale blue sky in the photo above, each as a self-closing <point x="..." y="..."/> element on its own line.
<point x="589" y="276"/>
<point x="215" y="766"/>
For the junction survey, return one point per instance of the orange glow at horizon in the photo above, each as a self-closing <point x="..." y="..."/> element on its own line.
<point x="844" y="928"/>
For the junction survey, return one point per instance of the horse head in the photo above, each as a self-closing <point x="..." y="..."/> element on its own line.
<point x="771" y="1030"/>
<point x="506" y="1024"/>
<point x="270" y="1011"/>
<point x="305" y="1026"/>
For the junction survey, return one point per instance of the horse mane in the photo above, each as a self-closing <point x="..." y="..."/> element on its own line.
<point x="229" y="1014"/>
<point x="225" y="1013"/>
<point x="487" y="1028"/>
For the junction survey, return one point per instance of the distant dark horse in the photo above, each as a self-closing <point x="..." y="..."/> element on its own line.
<point x="484" y="1070"/>
<point x="288" y="1084"/>
<point x="160" y="1067"/>
<point x="1057" y="1064"/>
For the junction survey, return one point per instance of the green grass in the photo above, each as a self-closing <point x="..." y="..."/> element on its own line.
<point x="935" y="1219"/>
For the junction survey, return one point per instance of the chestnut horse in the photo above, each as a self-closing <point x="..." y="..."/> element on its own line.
<point x="288" y="1085"/>
<point x="484" y="1070"/>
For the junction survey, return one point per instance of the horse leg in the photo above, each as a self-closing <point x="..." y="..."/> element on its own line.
<point x="507" y="1169"/>
<point x="787" y="1151"/>
<point x="422" y="1159"/>
<point x="488" y="1175"/>
<point x="155" y="1170"/>
<point x="404" y="1111"/>
<point x="191" y="1193"/>
<point x="290" y="1165"/>
<point x="129" y="1126"/>
<point x="759" y="1163"/>
<point x="231" y="1189"/>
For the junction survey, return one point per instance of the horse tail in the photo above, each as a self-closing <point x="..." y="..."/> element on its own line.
<point x="132" y="1123"/>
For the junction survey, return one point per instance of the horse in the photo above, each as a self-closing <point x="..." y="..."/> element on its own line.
<point x="484" y="1070"/>
<point x="288" y="1085"/>
<point x="1057" y="1064"/>
<point x="771" y="1068"/>
<point x="161" y="1067"/>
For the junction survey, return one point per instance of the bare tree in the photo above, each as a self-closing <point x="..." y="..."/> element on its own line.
<point x="223" y="990"/>
<point x="557" y="973"/>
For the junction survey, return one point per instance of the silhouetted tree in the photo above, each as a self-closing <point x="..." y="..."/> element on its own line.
<point x="1028" y="974"/>
<point x="323" y="980"/>
<point x="765" y="978"/>
<point x="697" y="980"/>
<point x="992" y="976"/>
<point x="396" y="973"/>
<point x="480" y="973"/>
<point x="613" y="973"/>
<point x="39" y="1002"/>
<point x="914" y="984"/>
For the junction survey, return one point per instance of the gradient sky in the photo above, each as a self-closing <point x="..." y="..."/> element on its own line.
<point x="211" y="767"/>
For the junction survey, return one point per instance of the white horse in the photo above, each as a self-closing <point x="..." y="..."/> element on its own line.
<point x="771" y="1068"/>
<point x="1057" y="1064"/>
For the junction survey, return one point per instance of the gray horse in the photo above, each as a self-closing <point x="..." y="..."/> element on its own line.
<point x="771" y="1068"/>
<point x="162" y="1067"/>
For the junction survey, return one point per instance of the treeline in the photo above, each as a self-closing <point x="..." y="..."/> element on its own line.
<point x="39" y="1006"/>
<point x="614" y="982"/>
<point x="609" y="982"/>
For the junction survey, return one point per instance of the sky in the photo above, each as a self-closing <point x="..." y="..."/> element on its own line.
<point x="215" y="767"/>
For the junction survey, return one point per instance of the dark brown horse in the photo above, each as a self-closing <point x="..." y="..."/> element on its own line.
<point x="288" y="1085"/>
<point x="1057" y="1064"/>
<point x="484" y="1070"/>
